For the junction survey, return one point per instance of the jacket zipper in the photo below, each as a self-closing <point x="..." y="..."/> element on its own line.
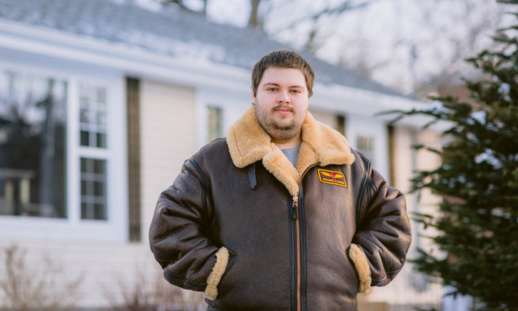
<point x="298" y="272"/>
<point x="295" y="217"/>
<point x="303" y="252"/>
<point x="292" y="215"/>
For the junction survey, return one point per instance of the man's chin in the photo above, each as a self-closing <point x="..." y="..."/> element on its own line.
<point x="284" y="128"/>
<point x="284" y="124"/>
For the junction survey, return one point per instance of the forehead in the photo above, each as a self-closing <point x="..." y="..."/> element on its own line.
<point x="283" y="76"/>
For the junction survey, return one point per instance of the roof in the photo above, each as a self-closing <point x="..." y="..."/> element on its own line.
<point x="169" y="32"/>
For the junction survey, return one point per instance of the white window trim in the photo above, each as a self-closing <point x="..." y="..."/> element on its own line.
<point x="115" y="228"/>
<point x="358" y="125"/>
<point x="222" y="121"/>
<point x="232" y="105"/>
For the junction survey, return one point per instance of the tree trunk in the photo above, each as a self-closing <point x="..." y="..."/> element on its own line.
<point x="254" y="20"/>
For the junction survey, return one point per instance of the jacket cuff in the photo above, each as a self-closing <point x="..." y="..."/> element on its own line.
<point x="361" y="264"/>
<point x="211" y="291"/>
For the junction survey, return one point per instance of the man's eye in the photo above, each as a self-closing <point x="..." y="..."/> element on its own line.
<point x="295" y="91"/>
<point x="271" y="89"/>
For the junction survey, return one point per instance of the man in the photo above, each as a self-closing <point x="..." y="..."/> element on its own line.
<point x="282" y="214"/>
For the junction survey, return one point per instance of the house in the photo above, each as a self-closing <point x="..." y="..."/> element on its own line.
<point x="101" y="102"/>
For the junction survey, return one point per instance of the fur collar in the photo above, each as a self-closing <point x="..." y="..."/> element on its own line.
<point x="321" y="145"/>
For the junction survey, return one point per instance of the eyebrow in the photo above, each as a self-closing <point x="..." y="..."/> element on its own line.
<point x="276" y="84"/>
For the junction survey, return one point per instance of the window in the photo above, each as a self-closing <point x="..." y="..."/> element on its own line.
<point x="63" y="152"/>
<point x="365" y="144"/>
<point x="93" y="189"/>
<point x="32" y="145"/>
<point x="93" y="153"/>
<point x="214" y="122"/>
<point x="92" y="102"/>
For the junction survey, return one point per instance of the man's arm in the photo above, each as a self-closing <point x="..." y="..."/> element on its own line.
<point x="176" y="235"/>
<point x="383" y="235"/>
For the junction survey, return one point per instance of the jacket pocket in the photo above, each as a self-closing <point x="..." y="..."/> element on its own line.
<point x="227" y="280"/>
<point x="218" y="271"/>
<point x="349" y="278"/>
<point x="361" y="266"/>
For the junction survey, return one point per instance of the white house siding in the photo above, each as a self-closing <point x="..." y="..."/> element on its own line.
<point x="325" y="117"/>
<point x="168" y="138"/>
<point x="404" y="290"/>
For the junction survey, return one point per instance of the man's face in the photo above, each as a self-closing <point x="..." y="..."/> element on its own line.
<point x="281" y="102"/>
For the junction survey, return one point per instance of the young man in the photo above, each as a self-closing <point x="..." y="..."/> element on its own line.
<point x="282" y="214"/>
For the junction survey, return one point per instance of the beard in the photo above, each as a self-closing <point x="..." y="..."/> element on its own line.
<point x="278" y="129"/>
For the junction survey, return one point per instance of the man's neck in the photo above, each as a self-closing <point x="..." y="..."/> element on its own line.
<point x="287" y="143"/>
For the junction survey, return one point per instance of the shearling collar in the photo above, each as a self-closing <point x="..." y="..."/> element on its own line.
<point x="248" y="143"/>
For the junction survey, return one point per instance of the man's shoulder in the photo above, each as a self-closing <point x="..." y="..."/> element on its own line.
<point x="360" y="166"/>
<point x="215" y="151"/>
<point x="360" y="160"/>
<point x="215" y="146"/>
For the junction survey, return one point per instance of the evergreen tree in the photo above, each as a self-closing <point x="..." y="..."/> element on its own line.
<point x="476" y="227"/>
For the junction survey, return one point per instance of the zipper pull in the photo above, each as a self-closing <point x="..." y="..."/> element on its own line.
<point x="294" y="208"/>
<point x="295" y="200"/>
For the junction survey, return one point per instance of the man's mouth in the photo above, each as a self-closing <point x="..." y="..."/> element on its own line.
<point x="283" y="109"/>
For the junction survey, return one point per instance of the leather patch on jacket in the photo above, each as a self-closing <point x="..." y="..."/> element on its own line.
<point x="330" y="177"/>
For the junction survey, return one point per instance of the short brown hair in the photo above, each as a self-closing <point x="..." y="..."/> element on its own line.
<point x="283" y="59"/>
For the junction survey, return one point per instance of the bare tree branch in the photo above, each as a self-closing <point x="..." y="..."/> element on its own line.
<point x="181" y="4"/>
<point x="37" y="288"/>
<point x="346" y="6"/>
<point x="461" y="45"/>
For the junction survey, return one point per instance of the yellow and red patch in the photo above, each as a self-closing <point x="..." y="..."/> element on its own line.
<point x="330" y="177"/>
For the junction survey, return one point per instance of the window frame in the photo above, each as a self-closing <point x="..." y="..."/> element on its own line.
<point x="221" y="126"/>
<point x="231" y="103"/>
<point x="93" y="128"/>
<point x="358" y="125"/>
<point x="72" y="227"/>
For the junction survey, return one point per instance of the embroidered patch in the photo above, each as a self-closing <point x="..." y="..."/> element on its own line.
<point x="332" y="177"/>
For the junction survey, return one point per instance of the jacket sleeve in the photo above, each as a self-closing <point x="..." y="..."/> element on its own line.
<point x="383" y="234"/>
<point x="177" y="235"/>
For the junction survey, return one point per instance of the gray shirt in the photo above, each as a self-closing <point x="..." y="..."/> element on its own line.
<point x="292" y="154"/>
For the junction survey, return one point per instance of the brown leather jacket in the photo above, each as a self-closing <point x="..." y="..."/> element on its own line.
<point x="255" y="233"/>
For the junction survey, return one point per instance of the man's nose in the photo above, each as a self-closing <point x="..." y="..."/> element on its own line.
<point x="284" y="96"/>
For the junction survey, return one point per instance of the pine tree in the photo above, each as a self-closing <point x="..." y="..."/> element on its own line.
<point x="476" y="227"/>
